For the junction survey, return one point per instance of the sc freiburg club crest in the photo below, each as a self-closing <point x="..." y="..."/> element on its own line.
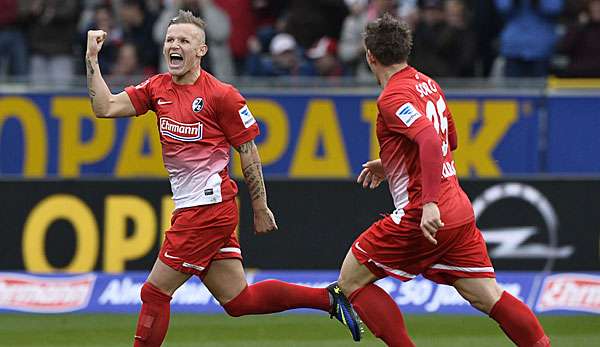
<point x="197" y="105"/>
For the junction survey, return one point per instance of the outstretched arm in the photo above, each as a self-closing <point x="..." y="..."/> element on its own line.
<point x="104" y="103"/>
<point x="264" y="221"/>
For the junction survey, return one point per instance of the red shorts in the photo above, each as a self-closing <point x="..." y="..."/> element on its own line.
<point x="199" y="235"/>
<point x="399" y="250"/>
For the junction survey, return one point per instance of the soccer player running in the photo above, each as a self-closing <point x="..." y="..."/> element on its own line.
<point x="199" y="119"/>
<point x="432" y="231"/>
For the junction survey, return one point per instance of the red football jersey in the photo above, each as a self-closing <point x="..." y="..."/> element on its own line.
<point x="198" y="124"/>
<point x="409" y="103"/>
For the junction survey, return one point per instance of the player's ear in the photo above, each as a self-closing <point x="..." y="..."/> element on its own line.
<point x="202" y="50"/>
<point x="370" y="57"/>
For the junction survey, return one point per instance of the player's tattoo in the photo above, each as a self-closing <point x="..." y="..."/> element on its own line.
<point x="252" y="170"/>
<point x="254" y="180"/>
<point x="90" y="73"/>
<point x="90" y="68"/>
<point x="245" y="147"/>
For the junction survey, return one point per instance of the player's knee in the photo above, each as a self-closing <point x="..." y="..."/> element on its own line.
<point x="485" y="303"/>
<point x="151" y="293"/>
<point x="347" y="285"/>
<point x="239" y="305"/>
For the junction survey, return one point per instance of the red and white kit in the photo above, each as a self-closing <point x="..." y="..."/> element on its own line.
<point x="198" y="124"/>
<point x="395" y="245"/>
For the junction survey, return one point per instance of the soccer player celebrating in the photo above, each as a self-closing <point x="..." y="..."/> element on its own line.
<point x="199" y="119"/>
<point x="432" y="231"/>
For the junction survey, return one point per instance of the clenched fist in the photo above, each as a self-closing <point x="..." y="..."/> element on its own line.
<point x="95" y="39"/>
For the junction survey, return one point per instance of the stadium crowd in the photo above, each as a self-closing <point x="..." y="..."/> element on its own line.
<point x="453" y="38"/>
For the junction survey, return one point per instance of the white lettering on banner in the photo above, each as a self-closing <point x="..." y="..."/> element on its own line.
<point x="572" y="292"/>
<point x="430" y="296"/>
<point x="414" y="293"/>
<point x="121" y="292"/>
<point x="44" y="294"/>
<point x="125" y="291"/>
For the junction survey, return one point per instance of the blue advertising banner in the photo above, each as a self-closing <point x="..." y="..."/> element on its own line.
<point x="573" y="128"/>
<point x="559" y="293"/>
<point x="302" y="136"/>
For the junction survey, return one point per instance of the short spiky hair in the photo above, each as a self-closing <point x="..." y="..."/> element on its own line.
<point x="187" y="17"/>
<point x="389" y="40"/>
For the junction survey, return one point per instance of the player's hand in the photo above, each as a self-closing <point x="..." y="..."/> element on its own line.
<point x="95" y="40"/>
<point x="372" y="174"/>
<point x="430" y="221"/>
<point x="264" y="221"/>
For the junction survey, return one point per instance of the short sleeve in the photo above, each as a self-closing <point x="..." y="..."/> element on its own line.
<point x="141" y="96"/>
<point x="236" y="120"/>
<point x="401" y="115"/>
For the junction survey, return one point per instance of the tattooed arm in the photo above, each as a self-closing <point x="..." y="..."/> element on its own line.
<point x="264" y="221"/>
<point x="104" y="103"/>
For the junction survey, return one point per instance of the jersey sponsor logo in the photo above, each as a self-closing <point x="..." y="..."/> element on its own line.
<point x="197" y="105"/>
<point x="408" y="114"/>
<point x="246" y="116"/>
<point x="44" y="294"/>
<point x="571" y="292"/>
<point x="180" y="131"/>
<point x="163" y="102"/>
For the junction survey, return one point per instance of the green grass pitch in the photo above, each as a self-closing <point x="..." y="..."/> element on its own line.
<point x="302" y="330"/>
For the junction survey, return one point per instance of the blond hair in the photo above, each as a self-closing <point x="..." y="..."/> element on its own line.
<point x="187" y="17"/>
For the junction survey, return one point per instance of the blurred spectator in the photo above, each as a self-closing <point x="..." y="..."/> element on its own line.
<point x="218" y="61"/>
<point x="434" y="46"/>
<point x="127" y="63"/>
<point x="137" y="28"/>
<point x="241" y="13"/>
<point x="323" y="56"/>
<point x="103" y="19"/>
<point x="285" y="59"/>
<point x="51" y="23"/>
<point x="351" y="49"/>
<point x="486" y="23"/>
<point x="308" y="21"/>
<point x="528" y="38"/>
<point x="13" y="52"/>
<point x="377" y="8"/>
<point x="582" y="44"/>
<point x="461" y="39"/>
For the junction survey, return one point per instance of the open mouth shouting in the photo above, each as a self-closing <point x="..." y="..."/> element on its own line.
<point x="175" y="60"/>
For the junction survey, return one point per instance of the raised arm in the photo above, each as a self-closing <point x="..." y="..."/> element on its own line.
<point x="264" y="221"/>
<point x="104" y="103"/>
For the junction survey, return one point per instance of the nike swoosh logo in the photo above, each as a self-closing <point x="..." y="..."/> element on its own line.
<point x="359" y="248"/>
<point x="170" y="256"/>
<point x="161" y="102"/>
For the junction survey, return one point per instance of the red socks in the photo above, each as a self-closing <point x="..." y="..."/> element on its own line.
<point x="518" y="322"/>
<point x="381" y="314"/>
<point x="275" y="296"/>
<point x="154" y="317"/>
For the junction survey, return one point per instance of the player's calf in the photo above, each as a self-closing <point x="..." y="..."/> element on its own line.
<point x="518" y="322"/>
